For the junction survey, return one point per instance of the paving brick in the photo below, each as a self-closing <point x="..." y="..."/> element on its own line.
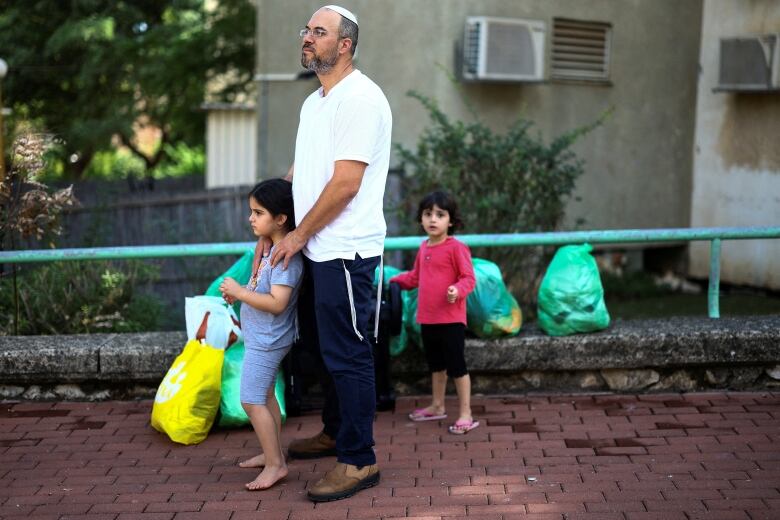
<point x="517" y="498"/>
<point x="485" y="489"/>
<point x="614" y="506"/>
<point x="654" y="515"/>
<point x="717" y="515"/>
<point x="365" y="513"/>
<point x="742" y="503"/>
<point x="117" y="508"/>
<point x="461" y="500"/>
<point x="438" y="511"/>
<point x="62" y="509"/>
<point x="89" y="516"/>
<point x="207" y="515"/>
<point x="420" y="491"/>
<point x="595" y="516"/>
<point x="674" y="505"/>
<point x="559" y="507"/>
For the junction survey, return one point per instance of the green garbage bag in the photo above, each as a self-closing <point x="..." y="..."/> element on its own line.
<point x="231" y="413"/>
<point x="397" y="343"/>
<point x="571" y="297"/>
<point x="491" y="310"/>
<point x="413" y="331"/>
<point x="241" y="271"/>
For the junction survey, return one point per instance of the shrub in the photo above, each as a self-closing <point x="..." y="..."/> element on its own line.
<point x="81" y="297"/>
<point x="505" y="183"/>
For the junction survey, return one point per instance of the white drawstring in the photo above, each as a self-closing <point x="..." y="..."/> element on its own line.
<point x="379" y="297"/>
<point x="351" y="300"/>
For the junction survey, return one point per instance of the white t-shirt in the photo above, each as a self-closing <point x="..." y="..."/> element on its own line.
<point x="353" y="122"/>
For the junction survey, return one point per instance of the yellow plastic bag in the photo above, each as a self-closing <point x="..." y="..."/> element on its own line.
<point x="187" y="400"/>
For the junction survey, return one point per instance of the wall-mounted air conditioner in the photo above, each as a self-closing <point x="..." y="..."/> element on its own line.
<point x="503" y="49"/>
<point x="749" y="64"/>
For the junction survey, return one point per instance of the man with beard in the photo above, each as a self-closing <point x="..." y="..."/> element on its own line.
<point x="342" y="155"/>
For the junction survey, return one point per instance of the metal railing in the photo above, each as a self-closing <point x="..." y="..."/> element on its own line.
<point x="623" y="236"/>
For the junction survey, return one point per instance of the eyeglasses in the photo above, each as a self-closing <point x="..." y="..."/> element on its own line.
<point x="317" y="32"/>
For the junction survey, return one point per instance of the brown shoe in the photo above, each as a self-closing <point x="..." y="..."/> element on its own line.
<point x="321" y="445"/>
<point x="344" y="481"/>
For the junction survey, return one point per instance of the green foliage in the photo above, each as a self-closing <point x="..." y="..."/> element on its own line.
<point x="504" y="182"/>
<point x="114" y="165"/>
<point x="81" y="297"/>
<point x="93" y="70"/>
<point x="181" y="160"/>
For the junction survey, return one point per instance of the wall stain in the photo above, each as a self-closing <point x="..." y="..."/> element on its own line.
<point x="750" y="133"/>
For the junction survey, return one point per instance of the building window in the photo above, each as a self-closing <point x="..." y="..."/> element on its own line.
<point x="580" y="50"/>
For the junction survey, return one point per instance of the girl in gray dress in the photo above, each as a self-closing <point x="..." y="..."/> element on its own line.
<point x="268" y="309"/>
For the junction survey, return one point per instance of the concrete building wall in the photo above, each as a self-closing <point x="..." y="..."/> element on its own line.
<point x="638" y="164"/>
<point x="736" y="175"/>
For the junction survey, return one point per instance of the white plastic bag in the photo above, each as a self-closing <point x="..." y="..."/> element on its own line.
<point x="211" y="320"/>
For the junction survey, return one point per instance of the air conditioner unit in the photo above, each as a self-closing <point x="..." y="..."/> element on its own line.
<point x="750" y="64"/>
<point x="503" y="49"/>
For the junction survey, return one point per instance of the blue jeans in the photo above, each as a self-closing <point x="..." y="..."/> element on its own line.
<point x="342" y="330"/>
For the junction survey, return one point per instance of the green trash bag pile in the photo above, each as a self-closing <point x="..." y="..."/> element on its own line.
<point x="571" y="297"/>
<point x="491" y="310"/>
<point x="231" y="413"/>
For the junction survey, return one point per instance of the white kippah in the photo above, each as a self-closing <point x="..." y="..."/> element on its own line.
<point x="346" y="13"/>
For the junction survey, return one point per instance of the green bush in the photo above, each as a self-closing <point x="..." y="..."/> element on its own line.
<point x="504" y="183"/>
<point x="81" y="297"/>
<point x="181" y="159"/>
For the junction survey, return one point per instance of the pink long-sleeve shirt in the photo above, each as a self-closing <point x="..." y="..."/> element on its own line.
<point x="435" y="269"/>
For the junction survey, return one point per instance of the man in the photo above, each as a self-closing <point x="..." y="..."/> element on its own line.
<point x="342" y="155"/>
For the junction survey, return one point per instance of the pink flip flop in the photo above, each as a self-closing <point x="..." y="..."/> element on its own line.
<point x="461" y="427"/>
<point x="422" y="414"/>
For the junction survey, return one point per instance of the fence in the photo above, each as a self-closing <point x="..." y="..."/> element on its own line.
<point x="714" y="235"/>
<point x="175" y="211"/>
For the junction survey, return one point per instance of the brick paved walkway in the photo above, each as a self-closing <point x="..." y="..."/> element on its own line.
<point x="694" y="456"/>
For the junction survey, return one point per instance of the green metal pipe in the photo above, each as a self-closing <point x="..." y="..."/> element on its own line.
<point x="120" y="253"/>
<point x="713" y="293"/>
<point x="397" y="243"/>
<point x="619" y="236"/>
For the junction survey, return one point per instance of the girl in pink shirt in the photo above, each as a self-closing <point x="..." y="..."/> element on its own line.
<point x="444" y="277"/>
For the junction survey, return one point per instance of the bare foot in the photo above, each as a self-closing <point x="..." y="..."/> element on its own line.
<point x="267" y="478"/>
<point x="258" y="461"/>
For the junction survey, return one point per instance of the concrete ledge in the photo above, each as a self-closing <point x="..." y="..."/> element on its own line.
<point x="676" y="354"/>
<point x="634" y="344"/>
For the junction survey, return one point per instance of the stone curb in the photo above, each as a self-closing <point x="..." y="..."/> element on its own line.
<point x="677" y="353"/>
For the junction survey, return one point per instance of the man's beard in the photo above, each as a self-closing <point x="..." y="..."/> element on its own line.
<point x="320" y="64"/>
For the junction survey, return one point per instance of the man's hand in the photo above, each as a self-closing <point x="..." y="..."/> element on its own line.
<point x="262" y="248"/>
<point x="452" y="294"/>
<point x="286" y="248"/>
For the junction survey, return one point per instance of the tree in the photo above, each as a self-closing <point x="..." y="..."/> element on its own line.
<point x="90" y="71"/>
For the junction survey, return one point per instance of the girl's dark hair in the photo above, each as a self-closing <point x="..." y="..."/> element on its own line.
<point x="446" y="202"/>
<point x="275" y="195"/>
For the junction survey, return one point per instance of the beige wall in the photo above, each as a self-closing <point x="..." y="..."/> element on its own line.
<point x="638" y="165"/>
<point x="737" y="151"/>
